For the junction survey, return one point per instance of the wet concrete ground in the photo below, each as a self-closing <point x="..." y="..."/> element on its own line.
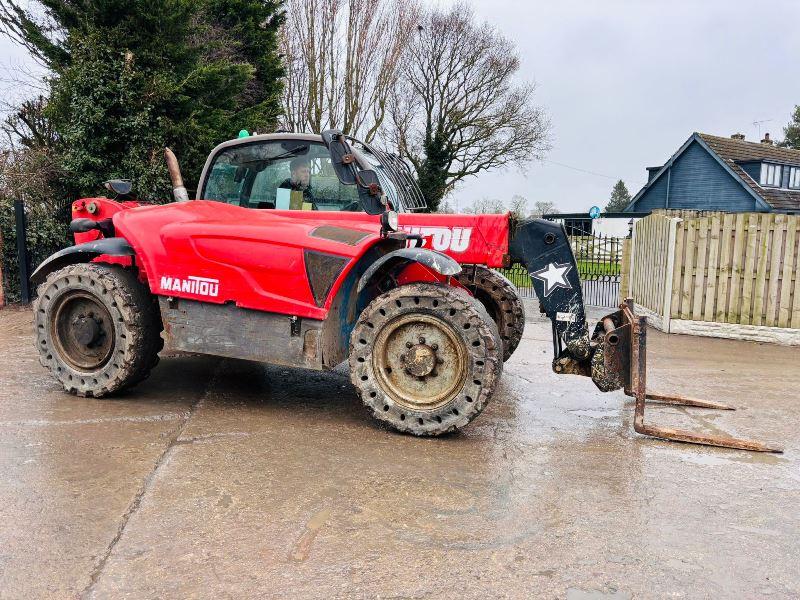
<point x="217" y="478"/>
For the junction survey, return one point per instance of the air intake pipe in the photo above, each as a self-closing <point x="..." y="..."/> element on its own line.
<point x="178" y="189"/>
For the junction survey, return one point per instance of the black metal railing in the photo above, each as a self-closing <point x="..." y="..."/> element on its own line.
<point x="599" y="260"/>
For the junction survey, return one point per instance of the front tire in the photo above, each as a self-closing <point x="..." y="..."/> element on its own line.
<point x="501" y="299"/>
<point x="425" y="358"/>
<point x="95" y="329"/>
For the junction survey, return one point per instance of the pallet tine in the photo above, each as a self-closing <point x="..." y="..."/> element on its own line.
<point x="638" y="385"/>
<point x="677" y="400"/>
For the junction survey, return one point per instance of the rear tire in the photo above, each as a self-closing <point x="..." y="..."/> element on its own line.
<point x="425" y="358"/>
<point x="96" y="329"/>
<point x="501" y="299"/>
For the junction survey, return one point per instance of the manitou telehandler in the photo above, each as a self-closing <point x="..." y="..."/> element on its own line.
<point x="330" y="273"/>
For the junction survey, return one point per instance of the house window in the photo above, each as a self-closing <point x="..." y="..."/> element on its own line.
<point x="794" y="178"/>
<point x="770" y="175"/>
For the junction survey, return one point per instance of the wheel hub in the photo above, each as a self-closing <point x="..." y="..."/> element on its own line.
<point x="82" y="330"/>
<point x="86" y="330"/>
<point x="420" y="361"/>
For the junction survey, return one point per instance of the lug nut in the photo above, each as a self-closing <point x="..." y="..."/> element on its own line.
<point x="409" y="344"/>
<point x="421" y="340"/>
<point x="402" y="358"/>
<point x="434" y="347"/>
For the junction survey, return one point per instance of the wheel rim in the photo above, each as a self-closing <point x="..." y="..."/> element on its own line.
<point x="420" y="361"/>
<point x="82" y="331"/>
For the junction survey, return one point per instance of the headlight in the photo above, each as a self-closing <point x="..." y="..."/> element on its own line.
<point x="389" y="221"/>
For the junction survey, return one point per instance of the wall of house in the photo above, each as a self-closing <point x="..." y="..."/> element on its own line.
<point x="654" y="197"/>
<point x="697" y="182"/>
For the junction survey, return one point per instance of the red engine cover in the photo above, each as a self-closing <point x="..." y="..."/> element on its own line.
<point x="219" y="253"/>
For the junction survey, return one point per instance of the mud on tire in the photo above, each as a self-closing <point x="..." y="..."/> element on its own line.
<point x="501" y="299"/>
<point x="97" y="329"/>
<point x="425" y="358"/>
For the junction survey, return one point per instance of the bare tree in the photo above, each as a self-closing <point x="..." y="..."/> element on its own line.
<point x="518" y="206"/>
<point x="458" y="110"/>
<point x="445" y="208"/>
<point x="28" y="125"/>
<point x="543" y="207"/>
<point x="342" y="60"/>
<point x="487" y="206"/>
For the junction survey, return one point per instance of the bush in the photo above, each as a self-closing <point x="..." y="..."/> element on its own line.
<point x="46" y="232"/>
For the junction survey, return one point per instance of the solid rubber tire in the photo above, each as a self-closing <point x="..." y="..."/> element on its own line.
<point x="502" y="301"/>
<point x="472" y="323"/>
<point x="136" y="328"/>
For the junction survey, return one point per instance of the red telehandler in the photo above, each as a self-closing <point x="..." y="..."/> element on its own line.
<point x="331" y="273"/>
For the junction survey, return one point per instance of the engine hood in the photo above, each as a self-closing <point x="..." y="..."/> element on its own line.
<point x="256" y="259"/>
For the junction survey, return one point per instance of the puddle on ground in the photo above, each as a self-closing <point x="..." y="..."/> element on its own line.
<point x="731" y="457"/>
<point x="595" y="413"/>
<point x="576" y="594"/>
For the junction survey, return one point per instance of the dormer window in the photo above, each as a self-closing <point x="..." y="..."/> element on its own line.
<point x="771" y="175"/>
<point x="794" y="178"/>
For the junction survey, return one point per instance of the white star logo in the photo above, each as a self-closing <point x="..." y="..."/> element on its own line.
<point x="554" y="276"/>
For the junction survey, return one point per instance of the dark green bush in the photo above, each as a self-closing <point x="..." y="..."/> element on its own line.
<point x="46" y="232"/>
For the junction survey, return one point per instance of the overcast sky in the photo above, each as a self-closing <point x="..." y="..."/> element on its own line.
<point x="626" y="82"/>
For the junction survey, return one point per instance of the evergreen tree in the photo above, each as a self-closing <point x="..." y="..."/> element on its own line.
<point x="620" y="198"/>
<point x="792" y="131"/>
<point x="432" y="172"/>
<point x="248" y="32"/>
<point x="129" y="77"/>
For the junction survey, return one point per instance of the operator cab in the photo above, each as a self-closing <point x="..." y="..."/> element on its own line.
<point x="295" y="172"/>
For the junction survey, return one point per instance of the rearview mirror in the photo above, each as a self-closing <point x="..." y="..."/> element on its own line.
<point x="342" y="157"/>
<point x="370" y="192"/>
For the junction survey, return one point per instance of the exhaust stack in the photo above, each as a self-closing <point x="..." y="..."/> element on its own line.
<point x="178" y="190"/>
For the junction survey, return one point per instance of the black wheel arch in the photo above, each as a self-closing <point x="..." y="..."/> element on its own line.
<point x="395" y="261"/>
<point x="365" y="282"/>
<point x="81" y="253"/>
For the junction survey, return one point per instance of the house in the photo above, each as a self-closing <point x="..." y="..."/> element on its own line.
<point x="727" y="174"/>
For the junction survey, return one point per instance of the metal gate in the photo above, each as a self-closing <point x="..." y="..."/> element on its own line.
<point x="599" y="259"/>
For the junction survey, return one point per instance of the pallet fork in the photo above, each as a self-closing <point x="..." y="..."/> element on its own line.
<point x="615" y="356"/>
<point x="624" y="337"/>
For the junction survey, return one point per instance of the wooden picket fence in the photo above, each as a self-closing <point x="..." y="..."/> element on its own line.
<point x="741" y="269"/>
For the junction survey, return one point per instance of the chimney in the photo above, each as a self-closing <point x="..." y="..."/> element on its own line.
<point x="738" y="136"/>
<point x="766" y="140"/>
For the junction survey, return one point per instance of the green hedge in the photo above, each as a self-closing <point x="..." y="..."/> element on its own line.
<point x="46" y="233"/>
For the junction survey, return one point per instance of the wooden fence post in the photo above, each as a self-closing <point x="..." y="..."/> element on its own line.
<point x="666" y="309"/>
<point x="625" y="271"/>
<point x="632" y="262"/>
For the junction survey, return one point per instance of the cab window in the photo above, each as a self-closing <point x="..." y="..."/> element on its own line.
<point x="288" y="175"/>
